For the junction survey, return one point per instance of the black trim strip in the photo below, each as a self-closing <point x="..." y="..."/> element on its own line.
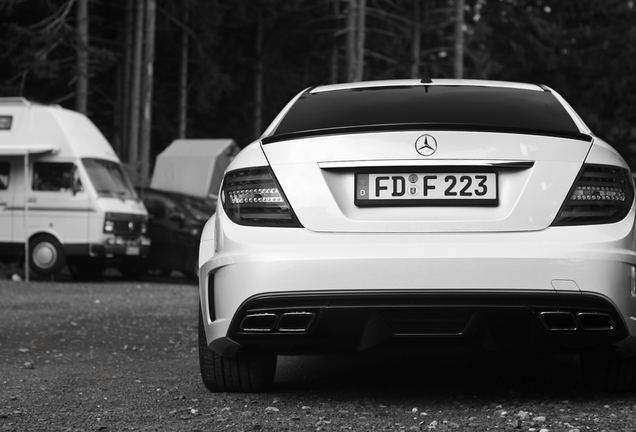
<point x="423" y="127"/>
<point x="357" y="320"/>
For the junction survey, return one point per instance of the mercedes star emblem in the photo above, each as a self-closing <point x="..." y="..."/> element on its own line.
<point x="426" y="145"/>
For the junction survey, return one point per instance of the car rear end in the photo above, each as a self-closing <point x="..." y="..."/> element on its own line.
<point x="407" y="215"/>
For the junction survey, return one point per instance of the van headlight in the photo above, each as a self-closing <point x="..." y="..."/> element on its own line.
<point x="109" y="226"/>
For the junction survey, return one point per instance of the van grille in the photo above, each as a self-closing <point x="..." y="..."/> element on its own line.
<point x="126" y="225"/>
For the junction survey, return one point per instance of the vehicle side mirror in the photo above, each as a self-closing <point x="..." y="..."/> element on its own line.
<point x="76" y="183"/>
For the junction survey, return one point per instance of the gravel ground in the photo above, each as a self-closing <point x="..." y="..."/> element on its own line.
<point x="117" y="356"/>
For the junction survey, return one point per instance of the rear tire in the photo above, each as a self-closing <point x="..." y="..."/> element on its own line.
<point x="46" y="255"/>
<point x="607" y="371"/>
<point x="247" y="371"/>
<point x="87" y="269"/>
<point x="131" y="271"/>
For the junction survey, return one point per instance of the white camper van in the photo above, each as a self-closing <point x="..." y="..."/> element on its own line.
<point x="64" y="195"/>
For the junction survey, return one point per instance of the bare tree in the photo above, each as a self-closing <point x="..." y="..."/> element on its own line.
<point x="149" y="60"/>
<point x="417" y="39"/>
<point x="458" y="64"/>
<point x="258" y="81"/>
<point x="351" y="40"/>
<point x="81" y="85"/>
<point x="126" y="71"/>
<point x="183" y="73"/>
<point x="135" y="91"/>
<point x="356" y="28"/>
<point x="333" y="69"/>
<point x="360" y="36"/>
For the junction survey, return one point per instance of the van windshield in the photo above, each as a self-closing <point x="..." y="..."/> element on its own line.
<point x="109" y="179"/>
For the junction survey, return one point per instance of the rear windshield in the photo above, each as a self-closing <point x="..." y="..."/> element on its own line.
<point x="432" y="107"/>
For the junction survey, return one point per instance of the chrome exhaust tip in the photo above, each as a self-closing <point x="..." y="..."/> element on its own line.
<point x="295" y="321"/>
<point x="259" y="322"/>
<point x="558" y="321"/>
<point x="595" y="321"/>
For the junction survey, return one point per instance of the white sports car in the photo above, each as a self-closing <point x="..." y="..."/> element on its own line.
<point x="421" y="215"/>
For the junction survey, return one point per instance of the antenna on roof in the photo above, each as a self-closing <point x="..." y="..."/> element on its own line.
<point x="426" y="79"/>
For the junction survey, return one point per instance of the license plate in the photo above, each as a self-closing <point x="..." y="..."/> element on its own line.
<point x="430" y="188"/>
<point x="132" y="250"/>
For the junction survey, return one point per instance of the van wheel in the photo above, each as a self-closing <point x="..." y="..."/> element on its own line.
<point x="131" y="271"/>
<point x="87" y="268"/>
<point x="247" y="371"/>
<point x="46" y="255"/>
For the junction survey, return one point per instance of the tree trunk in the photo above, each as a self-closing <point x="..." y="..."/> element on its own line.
<point x="135" y="94"/>
<point x="360" y="37"/>
<point x="149" y="59"/>
<point x="458" y="65"/>
<point x="258" y="81"/>
<point x="333" y="69"/>
<point x="356" y="23"/>
<point x="351" y="40"/>
<point x="417" y="39"/>
<point x="125" y="99"/>
<point x="183" y="74"/>
<point x="81" y="86"/>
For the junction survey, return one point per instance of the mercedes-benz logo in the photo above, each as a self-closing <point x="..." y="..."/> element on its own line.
<point x="426" y="145"/>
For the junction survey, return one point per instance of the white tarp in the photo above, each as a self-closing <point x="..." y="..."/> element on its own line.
<point x="193" y="166"/>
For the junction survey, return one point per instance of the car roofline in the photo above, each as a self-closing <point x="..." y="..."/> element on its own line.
<point x="433" y="83"/>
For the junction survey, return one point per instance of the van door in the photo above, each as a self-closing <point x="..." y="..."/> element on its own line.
<point x="6" y="198"/>
<point x="58" y="202"/>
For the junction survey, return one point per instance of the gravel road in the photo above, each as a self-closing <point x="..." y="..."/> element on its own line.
<point x="119" y="356"/>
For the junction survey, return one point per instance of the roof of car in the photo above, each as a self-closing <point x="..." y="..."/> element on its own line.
<point x="439" y="104"/>
<point x="422" y="83"/>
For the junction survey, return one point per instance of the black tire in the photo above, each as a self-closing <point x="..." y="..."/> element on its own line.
<point x="87" y="268"/>
<point x="609" y="372"/>
<point x="131" y="271"/>
<point x="156" y="272"/>
<point x="46" y="255"/>
<point x="248" y="371"/>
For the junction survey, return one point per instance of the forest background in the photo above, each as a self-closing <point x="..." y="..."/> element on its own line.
<point x="151" y="71"/>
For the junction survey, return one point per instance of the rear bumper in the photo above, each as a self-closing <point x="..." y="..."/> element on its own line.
<point x="356" y="291"/>
<point x="318" y="322"/>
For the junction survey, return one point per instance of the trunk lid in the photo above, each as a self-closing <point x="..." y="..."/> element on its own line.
<point x="533" y="177"/>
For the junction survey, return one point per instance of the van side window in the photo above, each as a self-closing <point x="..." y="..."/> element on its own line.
<point x="5" y="169"/>
<point x="55" y="176"/>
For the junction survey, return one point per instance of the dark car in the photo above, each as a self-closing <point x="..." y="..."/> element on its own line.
<point x="175" y="224"/>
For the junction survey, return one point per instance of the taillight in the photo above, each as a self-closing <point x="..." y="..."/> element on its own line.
<point x="601" y="194"/>
<point x="253" y="197"/>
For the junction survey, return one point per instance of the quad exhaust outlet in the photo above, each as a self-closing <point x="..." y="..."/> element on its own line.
<point x="285" y="322"/>
<point x="569" y="321"/>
